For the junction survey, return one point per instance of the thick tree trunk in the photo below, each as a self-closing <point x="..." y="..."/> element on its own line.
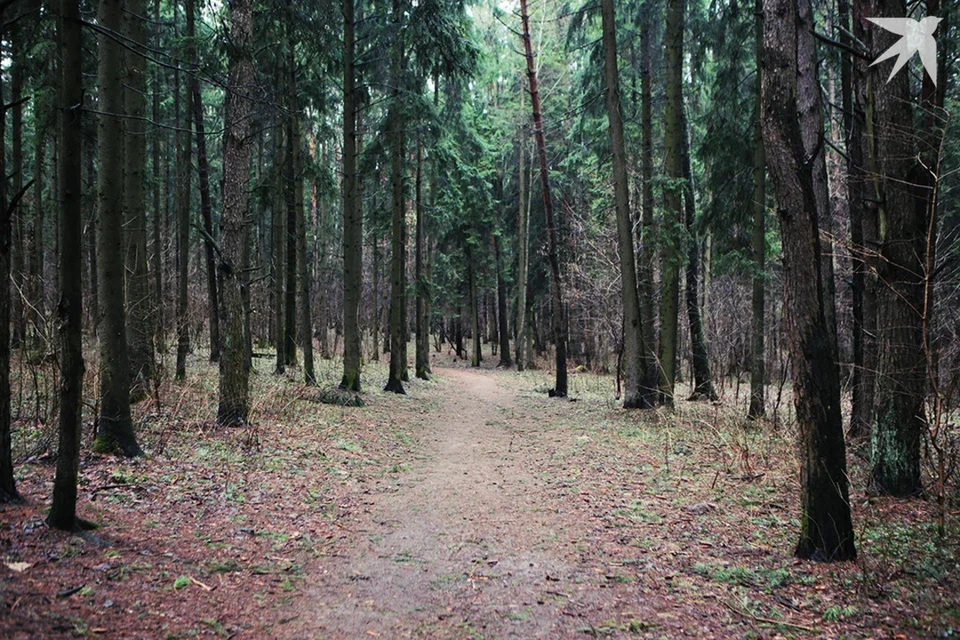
<point x="673" y="143"/>
<point x="115" y="433"/>
<point x="139" y="329"/>
<point x="234" y="401"/>
<point x="632" y="358"/>
<point x="184" y="181"/>
<point x="63" y="510"/>
<point x="8" y="486"/>
<point x="352" y="217"/>
<point x="649" y="367"/>
<point x="900" y="419"/>
<point x="397" y="265"/>
<point x="826" y="530"/>
<point x="559" y="336"/>
<point x="422" y="368"/>
<point x="759" y="246"/>
<point x="203" y="174"/>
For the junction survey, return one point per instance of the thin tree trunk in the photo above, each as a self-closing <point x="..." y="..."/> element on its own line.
<point x="703" y="381"/>
<point x="183" y="217"/>
<point x="476" y="355"/>
<point x="35" y="296"/>
<point x="560" y="339"/>
<point x="290" y="298"/>
<point x="375" y="320"/>
<point x="523" y="224"/>
<point x="63" y="510"/>
<point x="826" y="530"/>
<point x="139" y="331"/>
<point x="234" y="401"/>
<point x="279" y="246"/>
<point x="502" y="311"/>
<point x="673" y="142"/>
<point x="157" y="263"/>
<point x="352" y="215"/>
<point x="758" y="245"/>
<point x="115" y="433"/>
<point x="422" y="349"/>
<point x="18" y="247"/>
<point x="632" y="397"/>
<point x="92" y="236"/>
<point x="206" y="213"/>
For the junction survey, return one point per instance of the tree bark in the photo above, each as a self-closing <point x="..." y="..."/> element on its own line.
<point x="352" y="215"/>
<point x="183" y="216"/>
<point x="115" y="433"/>
<point x="278" y="263"/>
<point x="900" y="420"/>
<point x="157" y="263"/>
<point x="139" y="329"/>
<point x="826" y="530"/>
<point x="758" y="244"/>
<point x="649" y="369"/>
<point x="632" y="359"/>
<point x="234" y="401"/>
<point x="523" y="228"/>
<point x="422" y="368"/>
<point x="559" y="337"/>
<point x="673" y="163"/>
<point x="476" y="355"/>
<point x="290" y="297"/>
<point x="18" y="249"/>
<point x="502" y="312"/>
<point x="63" y="510"/>
<point x="203" y="175"/>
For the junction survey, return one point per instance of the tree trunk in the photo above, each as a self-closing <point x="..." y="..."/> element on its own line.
<point x="703" y="381"/>
<point x="375" y="320"/>
<point x="649" y="369"/>
<point x="139" y="330"/>
<point x="502" y="311"/>
<point x="352" y="216"/>
<point x="826" y="530"/>
<point x="115" y="433"/>
<point x="234" y="402"/>
<point x="397" y="266"/>
<point x="476" y="355"/>
<point x="35" y="298"/>
<point x="203" y="174"/>
<point x="157" y="263"/>
<point x="63" y="511"/>
<point x="632" y="397"/>
<point x="560" y="339"/>
<point x="523" y="228"/>
<point x="183" y="217"/>
<point x="17" y="241"/>
<point x="290" y="297"/>
<point x="758" y="245"/>
<point x="422" y="369"/>
<point x="900" y="419"/>
<point x="278" y="227"/>
<point x="8" y="486"/>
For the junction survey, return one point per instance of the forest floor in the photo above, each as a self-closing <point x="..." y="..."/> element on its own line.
<point x="473" y="507"/>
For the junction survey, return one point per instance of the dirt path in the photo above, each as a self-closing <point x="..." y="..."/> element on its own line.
<point x="464" y="545"/>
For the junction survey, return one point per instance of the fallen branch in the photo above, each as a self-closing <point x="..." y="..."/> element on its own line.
<point x="782" y="623"/>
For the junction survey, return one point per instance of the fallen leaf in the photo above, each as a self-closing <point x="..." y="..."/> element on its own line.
<point x="19" y="567"/>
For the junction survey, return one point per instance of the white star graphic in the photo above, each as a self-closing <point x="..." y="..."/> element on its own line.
<point x="917" y="38"/>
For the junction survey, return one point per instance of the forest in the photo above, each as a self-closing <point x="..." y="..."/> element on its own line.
<point x="479" y="318"/>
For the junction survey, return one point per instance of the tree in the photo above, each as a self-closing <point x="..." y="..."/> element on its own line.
<point x="184" y="175"/>
<point x="115" y="432"/>
<point x="206" y="215"/>
<point x="422" y="362"/>
<point x="557" y="308"/>
<point x="234" y="373"/>
<point x="900" y="419"/>
<point x="758" y="242"/>
<point x="673" y="164"/>
<point x="826" y="529"/>
<point x="63" y="510"/>
<point x="139" y="329"/>
<point x="352" y="215"/>
<point x="632" y="337"/>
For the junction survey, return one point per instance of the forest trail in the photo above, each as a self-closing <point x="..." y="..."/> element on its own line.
<point x="467" y="544"/>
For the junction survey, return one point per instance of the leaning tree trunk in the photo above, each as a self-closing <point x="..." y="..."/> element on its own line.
<point x="632" y="359"/>
<point x="703" y="381"/>
<point x="352" y="216"/>
<point x="826" y="530"/>
<point x="758" y="244"/>
<point x="115" y="433"/>
<point x="900" y="422"/>
<point x="559" y="337"/>
<point x="184" y="181"/>
<point x="673" y="141"/>
<point x="203" y="174"/>
<point x="139" y="307"/>
<point x="234" y="403"/>
<point x="63" y="510"/>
